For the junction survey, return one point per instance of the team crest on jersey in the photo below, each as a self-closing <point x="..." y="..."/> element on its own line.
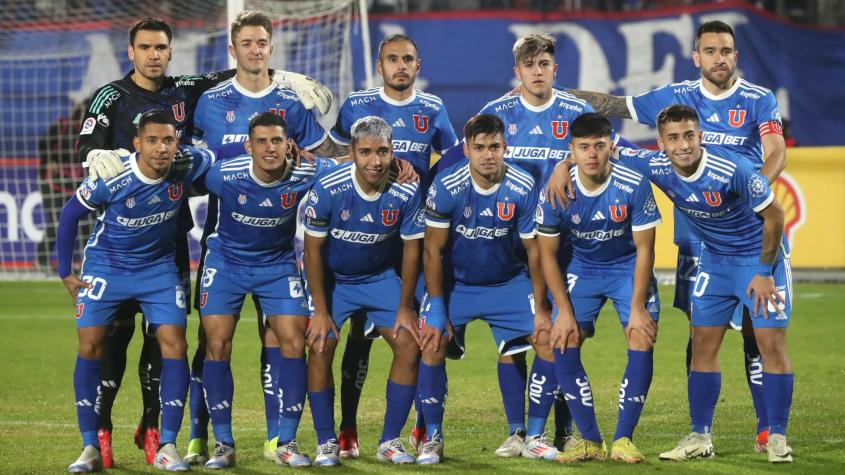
<point x="736" y="117"/>
<point x="80" y="307"/>
<point x="130" y="202"/>
<point x="512" y="129"/>
<point x="757" y="187"/>
<point x="560" y="128"/>
<point x="203" y="299"/>
<point x="467" y="211"/>
<point x="242" y="199"/>
<point x="618" y="213"/>
<point x="179" y="111"/>
<point x="421" y="122"/>
<point x="230" y="116"/>
<point x="174" y="191"/>
<point x="576" y="219"/>
<point x="505" y="210"/>
<point x="288" y="200"/>
<point x="344" y="215"/>
<point x="309" y="212"/>
<point x="713" y="198"/>
<point x="389" y="216"/>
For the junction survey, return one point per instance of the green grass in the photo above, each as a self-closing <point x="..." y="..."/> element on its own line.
<point x="38" y="432"/>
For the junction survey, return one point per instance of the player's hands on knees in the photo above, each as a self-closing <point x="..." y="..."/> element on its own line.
<point x="318" y="330"/>
<point x="563" y="331"/>
<point x="432" y="322"/>
<point x="73" y="284"/>
<point x="406" y="172"/>
<point x="640" y="320"/>
<point x="763" y="292"/>
<point x="542" y="320"/>
<point x="560" y="189"/>
<point x="104" y="164"/>
<point x="407" y="318"/>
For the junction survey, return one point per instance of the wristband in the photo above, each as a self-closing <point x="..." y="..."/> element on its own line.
<point x="434" y="313"/>
<point x="763" y="269"/>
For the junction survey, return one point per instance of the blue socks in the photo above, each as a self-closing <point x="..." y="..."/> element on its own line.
<point x="173" y="392"/>
<point x="512" y="380"/>
<point x="198" y="410"/>
<point x="703" y="393"/>
<point x="754" y="376"/>
<point x="291" y="377"/>
<point x="86" y="380"/>
<point x="322" y="412"/>
<point x="577" y="392"/>
<point x="541" y="395"/>
<point x="432" y="385"/>
<point x="270" y="385"/>
<point x="219" y="392"/>
<point x="353" y="372"/>
<point x="633" y="391"/>
<point x="399" y="398"/>
<point x="777" y="389"/>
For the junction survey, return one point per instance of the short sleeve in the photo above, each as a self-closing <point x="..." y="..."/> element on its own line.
<point x="527" y="213"/>
<point x="752" y="187"/>
<point x="768" y="116"/>
<point x="93" y="194"/>
<point x="445" y="137"/>
<point x="636" y="159"/>
<point x="214" y="179"/>
<point x="438" y="206"/>
<point x="340" y="133"/>
<point x="199" y="120"/>
<point x="547" y="219"/>
<point x="645" y="107"/>
<point x="303" y="127"/>
<point x="645" y="214"/>
<point x="413" y="220"/>
<point x="318" y="212"/>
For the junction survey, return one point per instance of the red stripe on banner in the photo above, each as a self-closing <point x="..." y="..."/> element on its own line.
<point x="17" y="265"/>
<point x="18" y="162"/>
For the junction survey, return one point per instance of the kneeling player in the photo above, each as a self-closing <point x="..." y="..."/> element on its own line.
<point x="130" y="256"/>
<point x="477" y="211"/>
<point x="611" y="227"/>
<point x="354" y="219"/>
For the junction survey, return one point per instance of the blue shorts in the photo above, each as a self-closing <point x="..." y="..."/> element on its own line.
<point x="507" y="308"/>
<point x="721" y="285"/>
<point x="222" y="291"/>
<point x="378" y="299"/>
<point x="590" y="287"/>
<point x="685" y="273"/>
<point x="158" y="291"/>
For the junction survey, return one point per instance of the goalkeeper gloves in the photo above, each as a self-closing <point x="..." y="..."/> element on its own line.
<point x="433" y="313"/>
<point x="311" y="93"/>
<point x="104" y="164"/>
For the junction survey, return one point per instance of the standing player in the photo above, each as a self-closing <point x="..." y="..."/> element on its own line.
<point x="744" y="261"/>
<point x="611" y="225"/>
<point x="739" y="118"/>
<point x="420" y="123"/>
<point x="355" y="218"/>
<point x="479" y="211"/>
<point x="109" y="124"/>
<point x="130" y="256"/>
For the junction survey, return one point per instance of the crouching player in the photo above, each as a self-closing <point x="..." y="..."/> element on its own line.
<point x="355" y="218"/>
<point x="477" y="212"/>
<point x="611" y="227"/>
<point x="130" y="256"/>
<point x="252" y="250"/>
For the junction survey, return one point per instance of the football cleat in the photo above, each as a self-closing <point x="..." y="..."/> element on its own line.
<point x="761" y="441"/>
<point x="538" y="447"/>
<point x="582" y="451"/>
<point x="777" y="450"/>
<point x="151" y="439"/>
<point x="432" y="450"/>
<point x="89" y="461"/>
<point x="224" y="457"/>
<point x="417" y="438"/>
<point x="693" y="446"/>
<point x="328" y="454"/>
<point x="624" y="450"/>
<point x="167" y="458"/>
<point x="565" y="441"/>
<point x="197" y="452"/>
<point x="348" y="441"/>
<point x="393" y="451"/>
<point x="104" y="437"/>
<point x="289" y="454"/>
<point x="268" y="450"/>
<point x="513" y="445"/>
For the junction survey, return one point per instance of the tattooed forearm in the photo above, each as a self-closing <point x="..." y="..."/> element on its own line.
<point x="605" y="104"/>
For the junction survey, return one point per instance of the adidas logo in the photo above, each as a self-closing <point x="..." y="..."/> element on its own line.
<point x="399" y="123"/>
<point x="220" y="406"/>
<point x="266" y="203"/>
<point x="368" y="218"/>
<point x="713" y="118"/>
<point x="155" y="199"/>
<point x="429" y="400"/>
<point x="536" y="130"/>
<point x="598" y="216"/>
<point x="294" y="408"/>
<point x="487" y="212"/>
<point x="174" y="403"/>
<point x="693" y="199"/>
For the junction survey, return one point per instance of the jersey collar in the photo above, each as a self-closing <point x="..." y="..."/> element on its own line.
<point x="255" y="95"/>
<point x="137" y="171"/>
<point x="481" y="191"/>
<point x="539" y="108"/>
<point x="701" y="166"/>
<point x="360" y="191"/>
<point x="597" y="191"/>
<point x="718" y="97"/>
<point x="394" y="102"/>
<point x="288" y="166"/>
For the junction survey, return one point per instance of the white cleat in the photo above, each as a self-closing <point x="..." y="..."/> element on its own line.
<point x="432" y="450"/>
<point x="224" y="457"/>
<point x="693" y="446"/>
<point x="777" y="450"/>
<point x="328" y="454"/>
<point x="89" y="461"/>
<point x="291" y="455"/>
<point x="393" y="451"/>
<point x="564" y="442"/>
<point x="167" y="458"/>
<point x="538" y="448"/>
<point x="512" y="446"/>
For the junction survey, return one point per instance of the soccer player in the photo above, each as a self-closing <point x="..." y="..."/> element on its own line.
<point x="108" y="126"/>
<point x="477" y="213"/>
<point x="611" y="225"/>
<point x="359" y="220"/>
<point x="739" y="118"/>
<point x="130" y="256"/>
<point x="420" y="124"/>
<point x="744" y="261"/>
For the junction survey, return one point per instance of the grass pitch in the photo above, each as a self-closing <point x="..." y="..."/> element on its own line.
<point x="38" y="432"/>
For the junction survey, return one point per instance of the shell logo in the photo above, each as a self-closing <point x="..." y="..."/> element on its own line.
<point x="788" y="194"/>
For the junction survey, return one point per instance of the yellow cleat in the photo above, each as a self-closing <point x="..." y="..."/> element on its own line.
<point x="582" y="451"/>
<point x="268" y="450"/>
<point x="624" y="450"/>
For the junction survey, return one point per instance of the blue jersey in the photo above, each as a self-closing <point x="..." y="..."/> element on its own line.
<point x="600" y="223"/>
<point x="136" y="226"/>
<point x="485" y="225"/>
<point x="223" y="114"/>
<point x="363" y="232"/>
<point x="256" y="221"/>
<point x="420" y="123"/>
<point x="720" y="200"/>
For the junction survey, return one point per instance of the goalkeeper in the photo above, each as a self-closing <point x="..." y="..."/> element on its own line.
<point x="107" y="128"/>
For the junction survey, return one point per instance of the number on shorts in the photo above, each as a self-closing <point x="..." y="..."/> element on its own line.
<point x="208" y="276"/>
<point x="570" y="282"/>
<point x="687" y="267"/>
<point x="98" y="286"/>
<point x="701" y="284"/>
<point x="180" y="296"/>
